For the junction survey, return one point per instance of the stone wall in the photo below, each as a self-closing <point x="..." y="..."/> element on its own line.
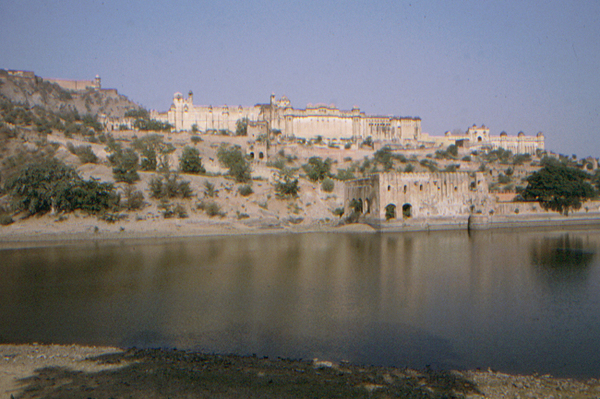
<point x="77" y="85"/>
<point x="419" y="195"/>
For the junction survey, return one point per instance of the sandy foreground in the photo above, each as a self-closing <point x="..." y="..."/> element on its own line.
<point x="56" y="371"/>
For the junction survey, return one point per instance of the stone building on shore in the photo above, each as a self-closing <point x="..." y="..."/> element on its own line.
<point x="385" y="196"/>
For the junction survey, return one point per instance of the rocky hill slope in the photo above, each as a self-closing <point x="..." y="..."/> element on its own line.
<point x="50" y="96"/>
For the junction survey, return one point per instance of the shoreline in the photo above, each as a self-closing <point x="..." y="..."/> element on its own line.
<point x="48" y="229"/>
<point x="35" y="371"/>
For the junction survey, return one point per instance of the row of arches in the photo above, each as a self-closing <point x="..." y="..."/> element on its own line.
<point x="358" y="206"/>
<point x="391" y="212"/>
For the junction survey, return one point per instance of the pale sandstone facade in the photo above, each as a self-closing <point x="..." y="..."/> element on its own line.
<point x="333" y="124"/>
<point x="325" y="121"/>
<point x="478" y="137"/>
<point x="419" y="194"/>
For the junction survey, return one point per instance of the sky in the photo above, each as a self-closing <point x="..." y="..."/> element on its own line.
<point x="512" y="65"/>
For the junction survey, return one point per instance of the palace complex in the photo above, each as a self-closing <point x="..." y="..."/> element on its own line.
<point x="330" y="123"/>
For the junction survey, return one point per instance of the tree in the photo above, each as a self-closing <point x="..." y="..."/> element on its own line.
<point x="559" y="187"/>
<point x="190" y="161"/>
<point x="285" y="184"/>
<point x="241" y="127"/>
<point x="48" y="183"/>
<point x="151" y="147"/>
<point x="125" y="165"/>
<point x="385" y="157"/>
<point x="316" y="169"/>
<point x="233" y="159"/>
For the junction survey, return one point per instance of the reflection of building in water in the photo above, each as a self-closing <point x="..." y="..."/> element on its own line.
<point x="392" y="195"/>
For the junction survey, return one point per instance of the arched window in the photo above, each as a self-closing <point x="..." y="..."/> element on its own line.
<point x="390" y="212"/>
<point x="406" y="210"/>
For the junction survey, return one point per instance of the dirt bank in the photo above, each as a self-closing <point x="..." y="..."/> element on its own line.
<point x="53" y="371"/>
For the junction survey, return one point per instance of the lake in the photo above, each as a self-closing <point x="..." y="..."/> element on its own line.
<point x="518" y="301"/>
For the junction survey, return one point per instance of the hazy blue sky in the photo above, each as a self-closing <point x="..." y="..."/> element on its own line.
<point x="513" y="65"/>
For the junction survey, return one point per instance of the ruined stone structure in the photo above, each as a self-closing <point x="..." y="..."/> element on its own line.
<point x="404" y="195"/>
<point x="325" y="121"/>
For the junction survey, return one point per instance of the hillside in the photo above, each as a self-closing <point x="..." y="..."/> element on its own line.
<point x="51" y="97"/>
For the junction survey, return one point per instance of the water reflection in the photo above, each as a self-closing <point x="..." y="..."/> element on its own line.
<point x="492" y="299"/>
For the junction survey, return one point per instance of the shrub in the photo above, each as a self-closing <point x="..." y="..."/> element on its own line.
<point x="5" y="219"/>
<point x="245" y="190"/>
<point x="190" y="161"/>
<point x="42" y="185"/>
<point x="125" y="165"/>
<point x="209" y="189"/>
<point x="233" y="159"/>
<point x="241" y="128"/>
<point x="316" y="169"/>
<point x="169" y="186"/>
<point x="211" y="209"/>
<point x="327" y="185"/>
<point x="84" y="153"/>
<point x="180" y="211"/>
<point x="196" y="139"/>
<point x="338" y="212"/>
<point x="241" y="216"/>
<point x="286" y="186"/>
<point x="345" y="174"/>
<point x="134" y="199"/>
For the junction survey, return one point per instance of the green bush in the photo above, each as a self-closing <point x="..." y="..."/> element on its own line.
<point x="190" y="161"/>
<point x="209" y="189"/>
<point x="316" y="169"/>
<point x="286" y="185"/>
<point x="83" y="152"/>
<point x="338" y="212"/>
<point x="125" y="165"/>
<point x="245" y="190"/>
<point x="233" y="159"/>
<point x="40" y="186"/>
<point x="5" y="219"/>
<point x="211" y="208"/>
<point x="134" y="199"/>
<point x="169" y="186"/>
<point x="196" y="139"/>
<point x="327" y="185"/>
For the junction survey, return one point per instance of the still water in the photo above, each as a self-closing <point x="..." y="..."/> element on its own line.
<point x="515" y="301"/>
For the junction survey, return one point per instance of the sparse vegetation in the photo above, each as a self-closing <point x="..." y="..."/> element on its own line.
<point x="286" y="185"/>
<point x="232" y="158"/>
<point x="169" y="186"/>
<point x="316" y="169"/>
<point x="245" y="190"/>
<point x="190" y="161"/>
<point x="83" y="152"/>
